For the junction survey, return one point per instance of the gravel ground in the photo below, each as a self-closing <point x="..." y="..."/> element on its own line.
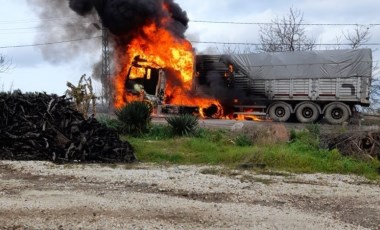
<point x="42" y="195"/>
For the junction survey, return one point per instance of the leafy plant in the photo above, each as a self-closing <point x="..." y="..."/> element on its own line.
<point x="314" y="129"/>
<point x="215" y="135"/>
<point x="183" y="125"/>
<point x="135" y="118"/>
<point x="243" y="140"/>
<point x="305" y="138"/>
<point x="293" y="135"/>
<point x="159" y="132"/>
<point x="109" y="122"/>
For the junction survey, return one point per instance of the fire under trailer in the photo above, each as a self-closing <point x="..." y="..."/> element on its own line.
<point x="306" y="84"/>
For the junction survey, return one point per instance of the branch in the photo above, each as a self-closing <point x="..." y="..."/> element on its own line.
<point x="5" y="64"/>
<point x="358" y="37"/>
<point x="285" y="34"/>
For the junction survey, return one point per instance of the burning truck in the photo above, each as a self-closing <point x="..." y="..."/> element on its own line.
<point x="158" y="67"/>
<point x="308" y="84"/>
<point x="155" y="63"/>
<point x="152" y="86"/>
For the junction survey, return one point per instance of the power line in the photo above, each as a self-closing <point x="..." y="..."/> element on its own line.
<point x="201" y="21"/>
<point x="48" y="26"/>
<point x="270" y="23"/>
<point x="32" y="32"/>
<point x="278" y="44"/>
<point x="27" y="20"/>
<point x="48" y="43"/>
<point x="24" y="28"/>
<point x="41" y="29"/>
<point x="195" y="42"/>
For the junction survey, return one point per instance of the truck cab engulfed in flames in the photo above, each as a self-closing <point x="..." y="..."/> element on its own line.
<point x="148" y="84"/>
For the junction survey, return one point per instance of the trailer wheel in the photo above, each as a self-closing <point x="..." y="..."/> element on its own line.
<point x="307" y="112"/>
<point x="336" y="113"/>
<point x="279" y="111"/>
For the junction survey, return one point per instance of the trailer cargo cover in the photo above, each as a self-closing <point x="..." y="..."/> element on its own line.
<point x="304" y="64"/>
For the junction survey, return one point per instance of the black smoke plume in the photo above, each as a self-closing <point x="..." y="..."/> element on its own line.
<point x="126" y="18"/>
<point x="63" y="20"/>
<point x="59" y="23"/>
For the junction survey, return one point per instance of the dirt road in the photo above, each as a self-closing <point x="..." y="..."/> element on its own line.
<point x="41" y="195"/>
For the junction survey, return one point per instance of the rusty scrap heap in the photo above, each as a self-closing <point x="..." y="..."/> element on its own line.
<point x="38" y="126"/>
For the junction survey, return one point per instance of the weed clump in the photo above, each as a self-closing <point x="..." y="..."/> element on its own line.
<point x="135" y="118"/>
<point x="183" y="125"/>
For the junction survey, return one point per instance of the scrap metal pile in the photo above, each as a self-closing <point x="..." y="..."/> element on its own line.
<point x="38" y="126"/>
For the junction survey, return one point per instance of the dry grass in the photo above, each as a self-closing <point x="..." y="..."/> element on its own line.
<point x="264" y="136"/>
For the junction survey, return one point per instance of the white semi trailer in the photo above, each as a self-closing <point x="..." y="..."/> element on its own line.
<point x="309" y="84"/>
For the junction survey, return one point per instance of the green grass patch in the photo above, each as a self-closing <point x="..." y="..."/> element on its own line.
<point x="216" y="147"/>
<point x="186" y="150"/>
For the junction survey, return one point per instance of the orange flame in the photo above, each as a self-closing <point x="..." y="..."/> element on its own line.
<point x="242" y="117"/>
<point x="160" y="49"/>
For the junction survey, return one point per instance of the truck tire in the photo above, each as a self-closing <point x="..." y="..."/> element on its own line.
<point x="336" y="113"/>
<point x="307" y="112"/>
<point x="279" y="111"/>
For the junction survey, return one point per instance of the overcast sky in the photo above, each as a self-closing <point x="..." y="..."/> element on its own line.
<point x="31" y="71"/>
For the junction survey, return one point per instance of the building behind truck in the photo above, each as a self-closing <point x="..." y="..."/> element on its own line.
<point x="307" y="84"/>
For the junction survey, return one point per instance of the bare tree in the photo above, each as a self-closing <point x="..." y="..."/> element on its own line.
<point x="375" y="90"/>
<point x="2" y="65"/>
<point x="338" y="42"/>
<point x="285" y="34"/>
<point x="235" y="49"/>
<point x="358" y="37"/>
<point x="5" y="64"/>
<point x="375" y="95"/>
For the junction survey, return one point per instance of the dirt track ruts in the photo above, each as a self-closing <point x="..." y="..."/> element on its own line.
<point x="41" y="195"/>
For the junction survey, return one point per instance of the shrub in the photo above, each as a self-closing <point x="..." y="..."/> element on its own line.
<point x="214" y="135"/>
<point x="109" y="122"/>
<point x="135" y="118"/>
<point x="243" y="140"/>
<point x="306" y="139"/>
<point x="183" y="125"/>
<point x="314" y="129"/>
<point x="159" y="132"/>
<point x="293" y="135"/>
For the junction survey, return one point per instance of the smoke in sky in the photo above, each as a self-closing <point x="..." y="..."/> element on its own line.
<point x="66" y="20"/>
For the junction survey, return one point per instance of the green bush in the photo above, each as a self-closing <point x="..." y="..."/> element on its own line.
<point x="243" y="140"/>
<point x="308" y="137"/>
<point x="109" y="122"/>
<point x="214" y="135"/>
<point x="293" y="135"/>
<point x="314" y="129"/>
<point x="183" y="125"/>
<point x="159" y="132"/>
<point x="135" y="118"/>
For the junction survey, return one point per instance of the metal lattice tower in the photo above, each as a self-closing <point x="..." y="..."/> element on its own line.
<point x="106" y="68"/>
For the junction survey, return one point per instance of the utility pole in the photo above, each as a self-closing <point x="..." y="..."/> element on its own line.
<point x="106" y="68"/>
